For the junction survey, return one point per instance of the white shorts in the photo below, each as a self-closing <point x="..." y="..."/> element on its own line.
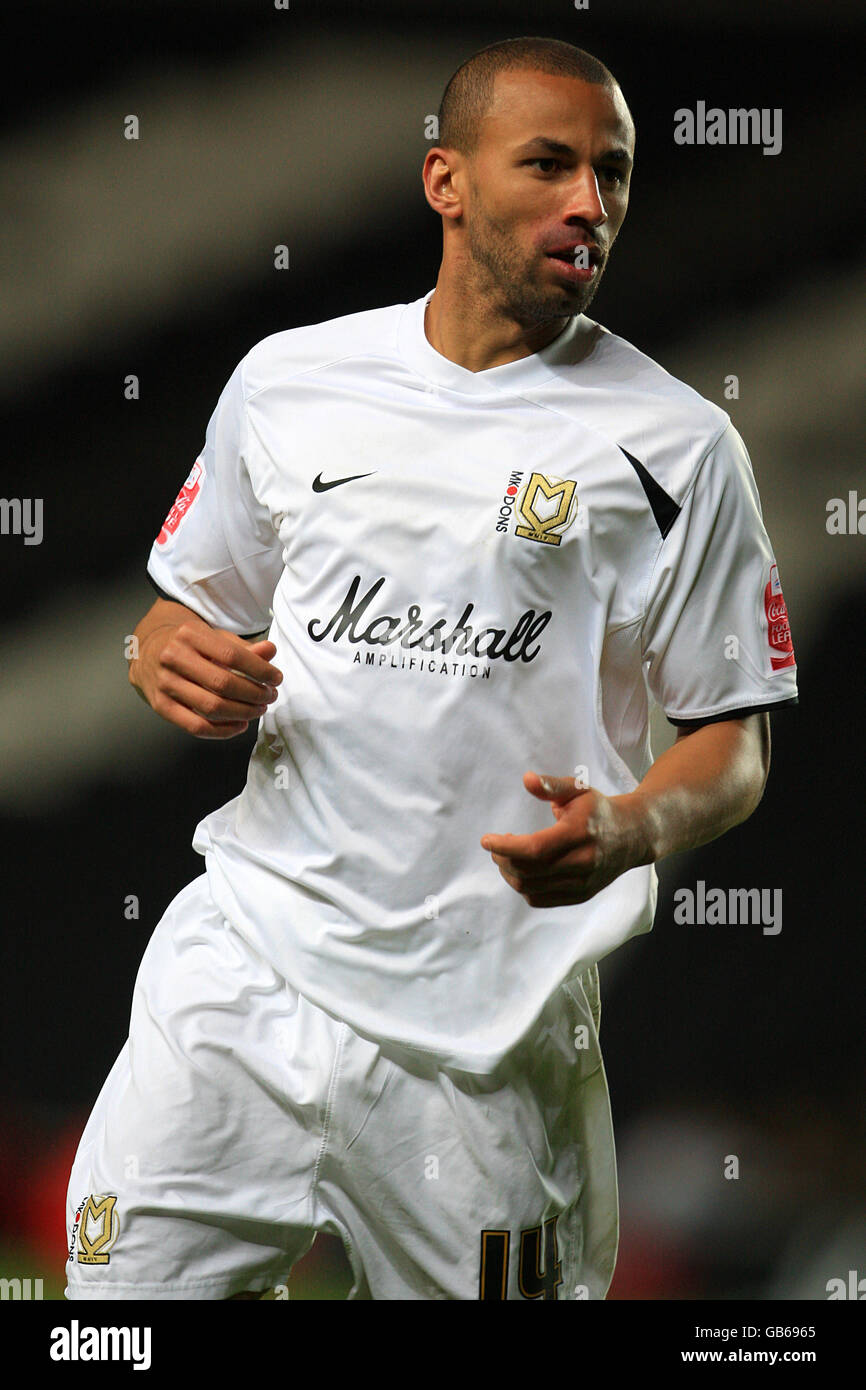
<point x="239" y="1119"/>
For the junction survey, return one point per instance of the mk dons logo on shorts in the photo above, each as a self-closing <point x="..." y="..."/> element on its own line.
<point x="98" y="1227"/>
<point x="547" y="507"/>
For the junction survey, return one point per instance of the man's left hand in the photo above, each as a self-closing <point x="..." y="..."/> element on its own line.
<point x="595" y="839"/>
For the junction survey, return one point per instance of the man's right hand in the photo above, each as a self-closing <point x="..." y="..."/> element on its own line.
<point x="207" y="681"/>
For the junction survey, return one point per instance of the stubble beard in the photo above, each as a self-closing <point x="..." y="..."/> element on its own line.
<point x="504" y="278"/>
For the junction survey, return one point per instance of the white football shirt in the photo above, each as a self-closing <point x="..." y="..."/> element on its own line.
<point x="466" y="575"/>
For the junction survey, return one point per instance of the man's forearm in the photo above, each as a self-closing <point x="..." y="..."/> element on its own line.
<point x="710" y="780"/>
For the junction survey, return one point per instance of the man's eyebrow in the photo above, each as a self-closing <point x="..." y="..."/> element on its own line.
<point x="544" y="141"/>
<point x="618" y="153"/>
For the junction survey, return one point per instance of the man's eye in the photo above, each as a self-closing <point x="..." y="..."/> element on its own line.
<point x="549" y="160"/>
<point x="609" y="172"/>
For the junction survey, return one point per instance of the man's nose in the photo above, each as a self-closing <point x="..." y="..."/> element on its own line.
<point x="584" y="199"/>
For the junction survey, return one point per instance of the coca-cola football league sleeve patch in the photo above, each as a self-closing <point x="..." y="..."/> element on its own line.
<point x="716" y="637"/>
<point x="779" y="638"/>
<point x="218" y="551"/>
<point x="182" y="503"/>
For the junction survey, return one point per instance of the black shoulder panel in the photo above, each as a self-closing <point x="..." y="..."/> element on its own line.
<point x="664" y="508"/>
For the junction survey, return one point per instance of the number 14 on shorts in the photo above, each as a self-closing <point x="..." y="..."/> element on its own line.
<point x="538" y="1275"/>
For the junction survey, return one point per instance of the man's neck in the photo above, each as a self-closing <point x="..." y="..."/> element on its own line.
<point x="479" y="340"/>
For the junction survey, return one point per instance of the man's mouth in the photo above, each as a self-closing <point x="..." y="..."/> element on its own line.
<point x="577" y="253"/>
<point x="576" y="263"/>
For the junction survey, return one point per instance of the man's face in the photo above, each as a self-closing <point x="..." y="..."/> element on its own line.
<point x="551" y="169"/>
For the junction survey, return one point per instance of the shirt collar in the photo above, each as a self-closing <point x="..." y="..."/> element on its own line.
<point x="509" y="378"/>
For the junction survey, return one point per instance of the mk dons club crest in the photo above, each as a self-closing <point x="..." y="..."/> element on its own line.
<point x="98" y="1229"/>
<point x="547" y="507"/>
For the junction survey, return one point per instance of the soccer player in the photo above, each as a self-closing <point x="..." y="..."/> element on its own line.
<point x="482" y="535"/>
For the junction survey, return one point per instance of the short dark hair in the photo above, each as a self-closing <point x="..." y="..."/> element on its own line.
<point x="469" y="92"/>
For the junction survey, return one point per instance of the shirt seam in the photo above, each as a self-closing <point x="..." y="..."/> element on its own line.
<point x="319" y="367"/>
<point x="681" y="505"/>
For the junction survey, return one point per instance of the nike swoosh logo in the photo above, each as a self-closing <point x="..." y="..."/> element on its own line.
<point x="319" y="486"/>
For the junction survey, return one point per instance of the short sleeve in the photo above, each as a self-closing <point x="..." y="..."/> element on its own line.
<point x="716" y="642"/>
<point x="218" y="552"/>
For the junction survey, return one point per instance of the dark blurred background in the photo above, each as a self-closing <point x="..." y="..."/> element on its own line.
<point x="154" y="257"/>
